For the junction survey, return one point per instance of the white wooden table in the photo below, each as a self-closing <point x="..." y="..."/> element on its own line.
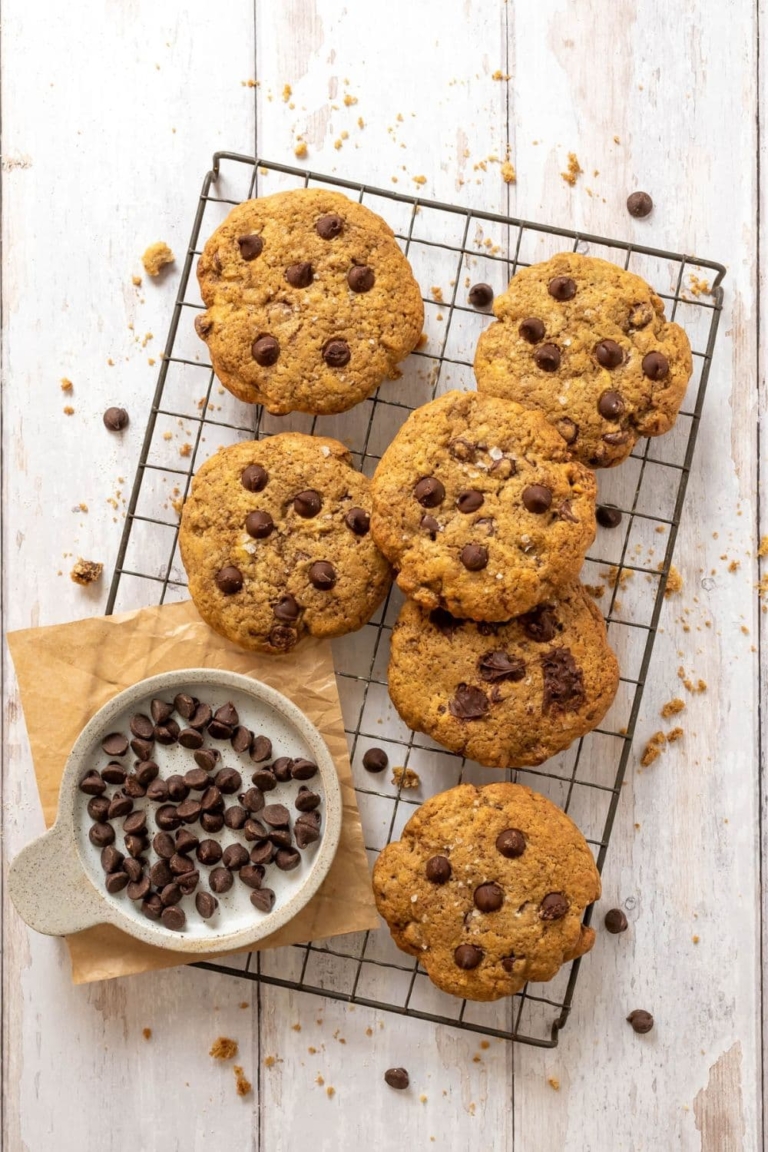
<point x="110" y="114"/>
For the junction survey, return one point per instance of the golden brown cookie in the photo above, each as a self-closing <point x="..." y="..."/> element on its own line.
<point x="505" y="695"/>
<point x="587" y="344"/>
<point x="488" y="888"/>
<point x="480" y="507"/>
<point x="276" y="543"/>
<point x="310" y="302"/>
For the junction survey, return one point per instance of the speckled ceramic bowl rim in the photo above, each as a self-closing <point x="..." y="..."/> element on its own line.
<point x="65" y="900"/>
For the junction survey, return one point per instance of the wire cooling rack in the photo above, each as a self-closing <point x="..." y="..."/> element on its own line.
<point x="450" y="248"/>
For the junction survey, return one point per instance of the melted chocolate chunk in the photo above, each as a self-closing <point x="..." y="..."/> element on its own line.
<point x="563" y="681"/>
<point x="540" y="623"/>
<point x="468" y="703"/>
<point x="444" y="622"/>
<point x="496" y="666"/>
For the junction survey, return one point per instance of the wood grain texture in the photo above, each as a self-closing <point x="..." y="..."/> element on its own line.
<point x="92" y="173"/>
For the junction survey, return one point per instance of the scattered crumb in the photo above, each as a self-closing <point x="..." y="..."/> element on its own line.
<point x="674" y="580"/>
<point x="66" y="386"/>
<point x="477" y="1058"/>
<point x="369" y="1031"/>
<point x="242" y="1085"/>
<point x="86" y="571"/>
<point x="82" y="507"/>
<point x="485" y="1044"/>
<point x="508" y="173"/>
<point x="151" y="361"/>
<point x="617" y="576"/>
<point x="616" y="140"/>
<point x="595" y="590"/>
<point x="312" y="1051"/>
<point x="437" y="293"/>
<point x="319" y="1080"/>
<point x="699" y="287"/>
<point x="763" y="547"/>
<point x="287" y="93"/>
<point x="136" y="280"/>
<point x="672" y="707"/>
<point x="499" y="75"/>
<point x="762" y="586"/>
<point x="301" y="149"/>
<point x="360" y="122"/>
<point x="251" y="83"/>
<point x="147" y="337"/>
<point x="244" y="1004"/>
<point x="337" y="144"/>
<point x="675" y="735"/>
<point x="186" y="449"/>
<point x="167" y="435"/>
<point x="734" y="566"/>
<point x="553" y="1083"/>
<point x="350" y="100"/>
<point x="111" y="362"/>
<point x="69" y="410"/>
<point x="405" y="778"/>
<point x="653" y="749"/>
<point x="421" y="342"/>
<point x="695" y="939"/>
<point x="699" y="686"/>
<point x="223" y="1048"/>
<point x="296" y="1027"/>
<point x="146" y="1033"/>
<point x="423" y="1099"/>
<point x="573" y="171"/>
<point x="419" y="179"/>
<point x="156" y="257"/>
<point x="330" y="1091"/>
<point x="270" y="1061"/>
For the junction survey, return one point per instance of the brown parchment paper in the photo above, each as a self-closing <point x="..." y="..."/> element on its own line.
<point x="68" y="671"/>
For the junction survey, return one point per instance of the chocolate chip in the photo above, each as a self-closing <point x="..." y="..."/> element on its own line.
<point x="115" y="419"/>
<point x="93" y="785"/>
<point x="429" y="492"/>
<point x="98" y="807"/>
<point x="101" y="835"/>
<point x="540" y="624"/>
<point x="608" y="516"/>
<point x="329" y="227"/>
<point x="259" y="525"/>
<point x="263" y="899"/>
<point x="276" y="816"/>
<point x="200" y="717"/>
<point x="173" y="919"/>
<point x="307" y="801"/>
<point x="474" y="557"/>
<point x="142" y="748"/>
<point x="228" y="781"/>
<point x="146" y="772"/>
<point x="467" y="956"/>
<point x="119" y="806"/>
<point x="189" y="881"/>
<point x="302" y="769"/>
<point x="639" y="204"/>
<point x="655" y="367"/>
<point x="488" y="897"/>
<point x="537" y="498"/>
<point x="135" y="845"/>
<point x="613" y="438"/>
<point x="196" y="779"/>
<point x="221" y="880"/>
<point x="177" y="788"/>
<point x="254" y="830"/>
<point x="608" y="353"/>
<point x="562" y="288"/>
<point x="235" y="816"/>
<point x="468" y="703"/>
<point x="469" y="501"/>
<point x="234" y="857"/>
<point x="281" y="838"/>
<point x="305" y="832"/>
<point x="263" y="853"/>
<point x="167" y="733"/>
<point x="553" y="907"/>
<point x="229" y="580"/>
<point x="508" y="962"/>
<point x="438" y="869"/>
<point x="209" y="852"/>
<point x="430" y="525"/>
<point x="563" y="681"/>
<point x="242" y="738"/>
<point x="184" y="705"/>
<point x="212" y="800"/>
<point x="190" y="738"/>
<point x="252" y="800"/>
<point x="616" y="921"/>
<point x="358" y="521"/>
<point x="282" y="768"/>
<point x="253" y="479"/>
<point x="116" y="882"/>
<point x="152" y="907"/>
<point x="170" y="894"/>
<point x="299" y="275"/>
<point x="265" y="351"/>
<point x="212" y="821"/>
<point x="496" y="666"/>
<point x="375" y="760"/>
<point x="186" y="841"/>
<point x="142" y="726"/>
<point x="115" y="744"/>
<point x="336" y="353"/>
<point x="250" y="246"/>
<point x="287" y="609"/>
<point x="206" y="904"/>
<point x="135" y="824"/>
<point x="510" y="843"/>
<point x="567" y="429"/>
<point x="640" y="1020"/>
<point x="138" y="889"/>
<point x="160" y="874"/>
<point x="462" y="449"/>
<point x="227" y="714"/>
<point x="361" y="278"/>
<point x="547" y="357"/>
<point x="286" y="859"/>
<point x="322" y="575"/>
<point x="163" y="845"/>
<point x="307" y="503"/>
<point x="189" y="811"/>
<point x="157" y="791"/>
<point x="111" y="859"/>
<point x="481" y="295"/>
<point x="219" y="729"/>
<point x="397" y="1078"/>
<point x="252" y="875"/>
<point x="532" y="329"/>
<point x="610" y="405"/>
<point x="134" y="868"/>
<point x="134" y="788"/>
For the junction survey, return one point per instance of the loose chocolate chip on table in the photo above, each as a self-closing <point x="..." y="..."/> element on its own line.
<point x="242" y="738"/>
<point x="200" y="717"/>
<point x="135" y="824"/>
<point x="286" y="859"/>
<point x="537" y="498"/>
<point x="233" y="857"/>
<point x="206" y="904"/>
<point x="160" y="710"/>
<point x="252" y="800"/>
<point x="111" y="859"/>
<point x="167" y="733"/>
<point x="548" y="357"/>
<point x="610" y="405"/>
<point x="160" y="874"/>
<point x="336" y="353"/>
<point x="430" y="525"/>
<point x="361" y="278"/>
<point x="133" y="867"/>
<point x="265" y="351"/>
<point x="562" y="288"/>
<point x="655" y="367"/>
<point x="157" y="791"/>
<point x="212" y="800"/>
<point x="553" y="907"/>
<point x="254" y="830"/>
<point x="115" y="744"/>
<point x="262" y="853"/>
<point x="167" y="817"/>
<point x="322" y="575"/>
<point x="438" y="869"/>
<point x="397" y="1078"/>
<point x="163" y="845"/>
<point x="607" y="516"/>
<point x="142" y="748"/>
<point x="173" y="918"/>
<point x="138" y="889"/>
<point x="495" y="666"/>
<point x="229" y="580"/>
<point x="171" y="894"/>
<point x="263" y="899"/>
<point x="329" y="227"/>
<point x="261" y="749"/>
<point x="189" y="881"/>
<point x="640" y="1020"/>
<point x="481" y="295"/>
<point x="264" y="779"/>
<point x="639" y="204"/>
<point x="358" y="521"/>
<point x="220" y="880"/>
<point x="307" y="503"/>
<point x="467" y="956"/>
<point x="276" y="815"/>
<point x="209" y="851"/>
<point x="196" y="779"/>
<point x="306" y="800"/>
<point x="101" y="835"/>
<point x="152" y="907"/>
<point x="185" y="706"/>
<point x="208" y="758"/>
<point x="474" y="557"/>
<point x="616" y="921"/>
<point x="282" y="768"/>
<point x="429" y="492"/>
<point x="212" y="821"/>
<point x="511" y="843"/>
<point x="135" y="845"/>
<point x="303" y="769"/>
<point x="250" y="246"/>
<point x="146" y="772"/>
<point x="189" y="811"/>
<point x="98" y="808"/>
<point x="299" y="275"/>
<point x="608" y="354"/>
<point x="254" y="479"/>
<point x="532" y="330"/>
<point x="190" y="738"/>
<point x="93" y="785"/>
<point x="115" y="882"/>
<point x="228" y="781"/>
<point x="115" y="419"/>
<point x="468" y="703"/>
<point x="488" y="897"/>
<point x="186" y="840"/>
<point x="134" y="788"/>
<point x="469" y="501"/>
<point x="178" y="789"/>
<point x="142" y="726"/>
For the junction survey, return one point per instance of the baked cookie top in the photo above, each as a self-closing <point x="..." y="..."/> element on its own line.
<point x="487" y="887"/>
<point x="505" y="695"/>
<point x="274" y="537"/>
<point x="586" y="343"/>
<point x="310" y="302"/>
<point x="480" y="507"/>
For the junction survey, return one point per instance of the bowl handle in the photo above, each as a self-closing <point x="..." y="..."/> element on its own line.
<point x="49" y="888"/>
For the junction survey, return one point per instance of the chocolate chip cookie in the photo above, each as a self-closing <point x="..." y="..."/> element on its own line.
<point x="309" y="302"/>
<point x="505" y="695"/>
<point x="276" y="543"/>
<point x="480" y="507"/>
<point x="487" y="888"/>
<point x="587" y="343"/>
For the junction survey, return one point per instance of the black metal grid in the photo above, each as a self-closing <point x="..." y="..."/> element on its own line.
<point x="449" y="248"/>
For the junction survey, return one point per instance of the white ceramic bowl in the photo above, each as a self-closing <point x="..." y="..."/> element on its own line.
<point x="57" y="882"/>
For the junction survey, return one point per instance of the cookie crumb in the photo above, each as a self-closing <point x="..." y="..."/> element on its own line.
<point x="672" y="707"/>
<point x="136" y="280"/>
<point x="156" y="257"/>
<point x="437" y="293"/>
<point x="499" y="75"/>
<point x="617" y="576"/>
<point x="360" y="122"/>
<point x="69" y="410"/>
<point x="734" y="565"/>
<point x="616" y="140"/>
<point x="330" y="1091"/>
<point x="674" y="735"/>
<point x="242" y="1085"/>
<point x="350" y="100"/>
<point x="699" y="287"/>
<point x="419" y="179"/>
<point x="287" y="93"/>
<point x="553" y="1083"/>
<point x="66" y="386"/>
<point x="312" y="1051"/>
<point x="270" y="1061"/>
<point x="296" y="1027"/>
<point x="653" y="749"/>
<point x="405" y="778"/>
<point x="573" y="171"/>
<point x="508" y="173"/>
<point x="337" y="144"/>
<point x="86" y="572"/>
<point x="695" y="939"/>
<point x="674" y="580"/>
<point x="763" y="547"/>
<point x="596" y="591"/>
<point x="423" y="1099"/>
<point x="146" y="1033"/>
<point x="185" y="449"/>
<point x="319" y="1080"/>
<point x="422" y="341"/>
<point x="244" y="1004"/>
<point x="223" y="1048"/>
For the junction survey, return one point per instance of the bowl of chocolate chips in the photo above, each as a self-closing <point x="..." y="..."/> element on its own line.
<point x="199" y="810"/>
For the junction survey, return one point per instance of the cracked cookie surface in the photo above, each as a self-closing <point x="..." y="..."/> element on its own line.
<point x="588" y="344"/>
<point x="275" y="540"/>
<point x="310" y="303"/>
<point x="488" y="887"/>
